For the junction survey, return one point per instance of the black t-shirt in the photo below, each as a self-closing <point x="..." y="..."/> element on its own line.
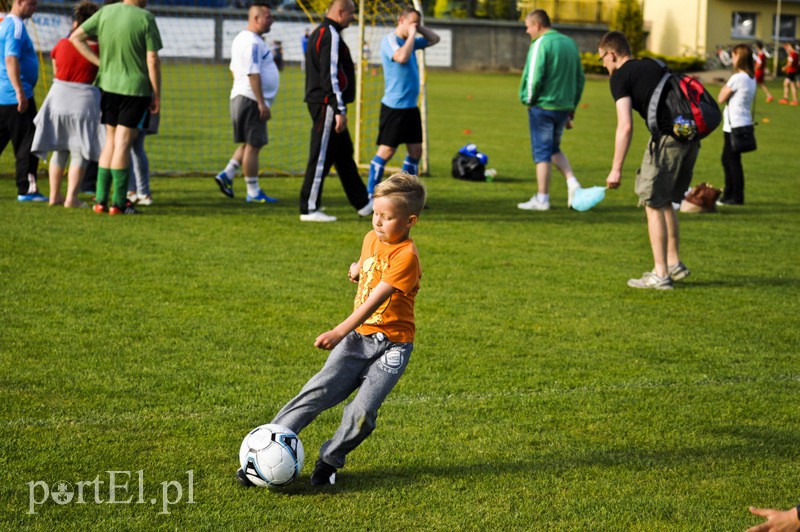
<point x="638" y="79"/>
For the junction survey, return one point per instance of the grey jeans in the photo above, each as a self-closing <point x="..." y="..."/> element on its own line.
<point x="370" y="364"/>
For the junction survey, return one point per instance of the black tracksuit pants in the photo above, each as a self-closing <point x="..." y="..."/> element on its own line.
<point x="19" y="129"/>
<point x="328" y="148"/>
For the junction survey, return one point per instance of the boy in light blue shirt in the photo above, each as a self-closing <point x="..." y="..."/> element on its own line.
<point x="400" y="121"/>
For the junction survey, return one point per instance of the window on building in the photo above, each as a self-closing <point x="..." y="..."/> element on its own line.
<point x="743" y="25"/>
<point x="788" y="27"/>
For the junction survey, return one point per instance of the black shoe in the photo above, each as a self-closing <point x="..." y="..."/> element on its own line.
<point x="323" y="474"/>
<point x="730" y="201"/>
<point x="241" y="477"/>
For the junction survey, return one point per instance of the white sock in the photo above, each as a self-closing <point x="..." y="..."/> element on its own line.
<point x="572" y="183"/>
<point x="543" y="198"/>
<point x="252" y="186"/>
<point x="232" y="168"/>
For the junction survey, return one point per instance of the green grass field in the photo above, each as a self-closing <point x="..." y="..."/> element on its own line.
<point x="543" y="393"/>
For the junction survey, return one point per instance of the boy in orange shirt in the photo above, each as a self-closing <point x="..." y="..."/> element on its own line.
<point x="371" y="348"/>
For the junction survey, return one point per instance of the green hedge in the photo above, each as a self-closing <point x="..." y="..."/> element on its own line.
<point x="593" y="65"/>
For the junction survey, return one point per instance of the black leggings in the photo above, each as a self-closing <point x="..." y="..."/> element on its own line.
<point x="734" y="173"/>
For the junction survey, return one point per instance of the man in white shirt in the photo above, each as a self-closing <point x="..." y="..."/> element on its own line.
<point x="255" y="85"/>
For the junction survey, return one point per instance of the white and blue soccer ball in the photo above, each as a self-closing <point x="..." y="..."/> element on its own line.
<point x="271" y="455"/>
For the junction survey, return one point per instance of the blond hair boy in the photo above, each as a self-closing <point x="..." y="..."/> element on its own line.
<point x="370" y="349"/>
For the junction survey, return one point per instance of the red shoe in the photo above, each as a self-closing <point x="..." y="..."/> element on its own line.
<point x="99" y="208"/>
<point x="783" y="101"/>
<point x="769" y="99"/>
<point x="793" y="102"/>
<point x="126" y="209"/>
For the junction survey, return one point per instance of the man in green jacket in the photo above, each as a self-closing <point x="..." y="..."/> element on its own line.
<point x="552" y="84"/>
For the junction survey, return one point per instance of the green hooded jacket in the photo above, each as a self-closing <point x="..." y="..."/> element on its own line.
<point x="553" y="77"/>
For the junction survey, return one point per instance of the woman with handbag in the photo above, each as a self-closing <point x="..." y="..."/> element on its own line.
<point x="737" y="126"/>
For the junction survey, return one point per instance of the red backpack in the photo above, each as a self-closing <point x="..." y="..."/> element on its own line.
<point x="692" y="111"/>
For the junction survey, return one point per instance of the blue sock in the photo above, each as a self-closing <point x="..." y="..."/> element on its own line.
<point x="410" y="165"/>
<point x="376" y="168"/>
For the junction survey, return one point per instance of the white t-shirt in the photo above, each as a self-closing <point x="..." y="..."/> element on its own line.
<point x="737" y="110"/>
<point x="251" y="55"/>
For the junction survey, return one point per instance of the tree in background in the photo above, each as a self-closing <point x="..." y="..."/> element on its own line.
<point x="498" y="9"/>
<point x="629" y="19"/>
<point x="481" y="9"/>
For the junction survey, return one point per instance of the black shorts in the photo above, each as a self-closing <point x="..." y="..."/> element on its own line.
<point x="248" y="128"/>
<point x="127" y="111"/>
<point x="791" y="76"/>
<point x="399" y="126"/>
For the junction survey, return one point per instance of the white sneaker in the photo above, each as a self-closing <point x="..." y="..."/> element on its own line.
<point x="570" y="193"/>
<point x="534" y="205"/>
<point x="132" y="197"/>
<point x="145" y="200"/>
<point x="366" y="210"/>
<point x="317" y="216"/>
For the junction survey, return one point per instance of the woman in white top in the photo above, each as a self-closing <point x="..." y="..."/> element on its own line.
<point x="738" y="93"/>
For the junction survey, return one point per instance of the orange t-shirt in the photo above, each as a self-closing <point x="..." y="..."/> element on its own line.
<point x="397" y="265"/>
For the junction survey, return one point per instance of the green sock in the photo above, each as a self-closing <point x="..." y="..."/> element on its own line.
<point x="103" y="185"/>
<point x="120" y="187"/>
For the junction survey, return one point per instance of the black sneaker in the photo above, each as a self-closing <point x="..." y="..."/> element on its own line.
<point x="323" y="474"/>
<point x="241" y="477"/>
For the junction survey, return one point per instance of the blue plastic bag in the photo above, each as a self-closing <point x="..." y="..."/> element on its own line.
<point x="584" y="199"/>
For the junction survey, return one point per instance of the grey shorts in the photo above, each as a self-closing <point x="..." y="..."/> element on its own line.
<point x="666" y="172"/>
<point x="248" y="128"/>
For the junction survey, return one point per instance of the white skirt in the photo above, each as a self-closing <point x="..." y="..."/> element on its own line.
<point x="69" y="119"/>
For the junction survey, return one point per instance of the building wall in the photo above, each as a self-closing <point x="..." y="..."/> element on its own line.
<point x="697" y="27"/>
<point x="676" y="27"/>
<point x="492" y="45"/>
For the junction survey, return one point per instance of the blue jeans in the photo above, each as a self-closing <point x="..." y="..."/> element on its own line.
<point x="546" y="129"/>
<point x="139" y="180"/>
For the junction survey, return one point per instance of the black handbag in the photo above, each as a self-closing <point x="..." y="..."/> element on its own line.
<point x="743" y="139"/>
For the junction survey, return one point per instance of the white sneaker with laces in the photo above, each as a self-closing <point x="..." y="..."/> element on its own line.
<point x="317" y="216"/>
<point x="651" y="280"/>
<point x="534" y="205"/>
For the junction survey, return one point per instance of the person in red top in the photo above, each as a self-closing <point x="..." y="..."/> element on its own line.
<point x="761" y="69"/>
<point x="68" y="124"/>
<point x="791" y="69"/>
<point x="370" y="349"/>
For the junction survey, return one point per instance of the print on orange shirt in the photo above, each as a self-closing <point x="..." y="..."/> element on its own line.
<point x="371" y="272"/>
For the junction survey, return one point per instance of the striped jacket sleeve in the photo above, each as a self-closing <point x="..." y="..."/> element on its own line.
<point x="532" y="74"/>
<point x="329" y="70"/>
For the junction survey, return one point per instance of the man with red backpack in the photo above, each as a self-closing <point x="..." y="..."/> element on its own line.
<point x="668" y="163"/>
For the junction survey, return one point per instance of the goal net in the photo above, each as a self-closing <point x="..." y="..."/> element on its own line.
<point x="195" y="134"/>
